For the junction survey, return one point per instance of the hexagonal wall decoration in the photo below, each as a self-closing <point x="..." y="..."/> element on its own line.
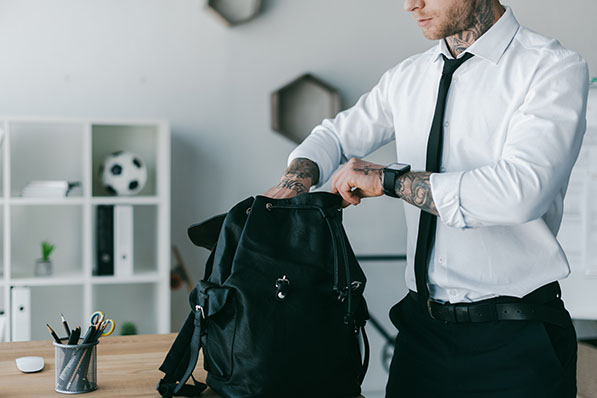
<point x="234" y="12"/>
<point x="301" y="105"/>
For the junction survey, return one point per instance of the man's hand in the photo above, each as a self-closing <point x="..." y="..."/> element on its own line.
<point x="358" y="179"/>
<point x="298" y="178"/>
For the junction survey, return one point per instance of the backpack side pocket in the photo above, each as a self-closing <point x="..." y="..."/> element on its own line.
<point x="220" y="331"/>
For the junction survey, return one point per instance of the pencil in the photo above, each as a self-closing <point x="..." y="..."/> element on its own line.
<point x="53" y="334"/>
<point x="65" y="325"/>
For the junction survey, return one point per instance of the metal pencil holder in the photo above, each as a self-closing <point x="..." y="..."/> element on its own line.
<point x="76" y="368"/>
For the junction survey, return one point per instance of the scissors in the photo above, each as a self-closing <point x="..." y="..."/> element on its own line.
<point x="105" y="325"/>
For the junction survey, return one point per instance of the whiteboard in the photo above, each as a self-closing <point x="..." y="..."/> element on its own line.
<point x="578" y="232"/>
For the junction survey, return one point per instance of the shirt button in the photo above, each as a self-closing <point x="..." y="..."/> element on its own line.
<point x="442" y="169"/>
<point x="452" y="292"/>
<point x="441" y="260"/>
<point x="446" y="124"/>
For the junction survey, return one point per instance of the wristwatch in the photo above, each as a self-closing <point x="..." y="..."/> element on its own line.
<point x="390" y="173"/>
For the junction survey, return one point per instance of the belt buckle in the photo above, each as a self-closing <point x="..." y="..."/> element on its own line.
<point x="428" y="302"/>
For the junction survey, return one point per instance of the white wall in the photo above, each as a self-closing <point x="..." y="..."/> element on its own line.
<point x="169" y="58"/>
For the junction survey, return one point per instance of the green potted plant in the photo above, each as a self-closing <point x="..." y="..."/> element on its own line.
<point x="128" y="328"/>
<point x="43" y="265"/>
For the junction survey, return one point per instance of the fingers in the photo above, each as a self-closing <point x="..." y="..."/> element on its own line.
<point x="350" y="194"/>
<point x="341" y="186"/>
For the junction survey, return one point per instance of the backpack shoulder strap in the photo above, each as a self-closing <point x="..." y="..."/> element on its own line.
<point x="180" y="362"/>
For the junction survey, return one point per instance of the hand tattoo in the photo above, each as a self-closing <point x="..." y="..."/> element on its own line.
<point x="415" y="188"/>
<point x="300" y="169"/>
<point x="366" y="170"/>
<point x="295" y="185"/>
<point x="481" y="19"/>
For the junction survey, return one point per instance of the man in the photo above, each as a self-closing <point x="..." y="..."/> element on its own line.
<point x="490" y="155"/>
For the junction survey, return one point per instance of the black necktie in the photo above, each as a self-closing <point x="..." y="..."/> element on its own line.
<point x="427" y="221"/>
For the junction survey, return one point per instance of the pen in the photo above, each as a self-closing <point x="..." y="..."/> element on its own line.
<point x="65" y="325"/>
<point x="53" y="334"/>
<point x="100" y="329"/>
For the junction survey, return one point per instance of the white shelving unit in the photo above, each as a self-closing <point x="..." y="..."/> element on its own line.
<point x="71" y="150"/>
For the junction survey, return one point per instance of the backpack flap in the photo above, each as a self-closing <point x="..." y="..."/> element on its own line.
<point x="220" y="234"/>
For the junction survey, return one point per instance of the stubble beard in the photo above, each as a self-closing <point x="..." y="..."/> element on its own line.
<point x="457" y="20"/>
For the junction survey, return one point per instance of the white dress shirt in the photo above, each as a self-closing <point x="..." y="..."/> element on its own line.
<point x="514" y="123"/>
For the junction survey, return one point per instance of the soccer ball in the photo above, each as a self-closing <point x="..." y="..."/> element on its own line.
<point x="123" y="173"/>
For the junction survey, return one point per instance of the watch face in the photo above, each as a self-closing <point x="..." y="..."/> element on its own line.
<point x="398" y="166"/>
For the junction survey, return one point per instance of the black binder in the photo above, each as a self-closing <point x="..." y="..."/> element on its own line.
<point x="105" y="240"/>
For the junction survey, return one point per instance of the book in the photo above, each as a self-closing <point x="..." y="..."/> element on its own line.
<point x="48" y="189"/>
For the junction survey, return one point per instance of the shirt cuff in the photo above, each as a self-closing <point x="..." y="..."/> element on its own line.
<point x="445" y="189"/>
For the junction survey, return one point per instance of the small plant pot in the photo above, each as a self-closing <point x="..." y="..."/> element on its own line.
<point x="43" y="268"/>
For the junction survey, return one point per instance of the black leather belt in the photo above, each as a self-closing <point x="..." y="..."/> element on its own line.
<point x="531" y="307"/>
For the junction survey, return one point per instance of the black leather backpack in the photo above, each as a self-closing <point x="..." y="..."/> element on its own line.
<point x="280" y="309"/>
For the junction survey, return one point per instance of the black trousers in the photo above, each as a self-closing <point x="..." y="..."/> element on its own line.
<point x="500" y="359"/>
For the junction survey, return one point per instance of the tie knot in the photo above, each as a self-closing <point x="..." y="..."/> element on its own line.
<point x="450" y="65"/>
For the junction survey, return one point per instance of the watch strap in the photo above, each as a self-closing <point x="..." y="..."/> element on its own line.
<point x="390" y="174"/>
<point x="389" y="182"/>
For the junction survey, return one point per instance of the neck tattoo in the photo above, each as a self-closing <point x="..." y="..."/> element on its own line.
<point x="483" y="18"/>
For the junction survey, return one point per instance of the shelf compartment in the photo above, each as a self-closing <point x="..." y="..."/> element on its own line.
<point x="145" y="240"/>
<point x="301" y="105"/>
<point x="234" y="12"/>
<point x="141" y="140"/>
<point x="56" y="154"/>
<point x="135" y="303"/>
<point x="61" y="225"/>
<point x="47" y="302"/>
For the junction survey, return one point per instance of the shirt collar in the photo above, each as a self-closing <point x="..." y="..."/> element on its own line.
<point x="492" y="44"/>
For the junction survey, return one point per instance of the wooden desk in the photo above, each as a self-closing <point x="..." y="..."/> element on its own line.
<point x="127" y="366"/>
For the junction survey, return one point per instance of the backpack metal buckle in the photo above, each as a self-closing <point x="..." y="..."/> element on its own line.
<point x="282" y="287"/>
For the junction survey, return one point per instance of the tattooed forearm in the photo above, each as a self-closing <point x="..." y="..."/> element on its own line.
<point x="481" y="19"/>
<point x="415" y="188"/>
<point x="373" y="170"/>
<point x="299" y="176"/>
<point x="295" y="185"/>
<point x="300" y="169"/>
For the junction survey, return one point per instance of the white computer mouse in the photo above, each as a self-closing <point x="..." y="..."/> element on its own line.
<point x="30" y="364"/>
